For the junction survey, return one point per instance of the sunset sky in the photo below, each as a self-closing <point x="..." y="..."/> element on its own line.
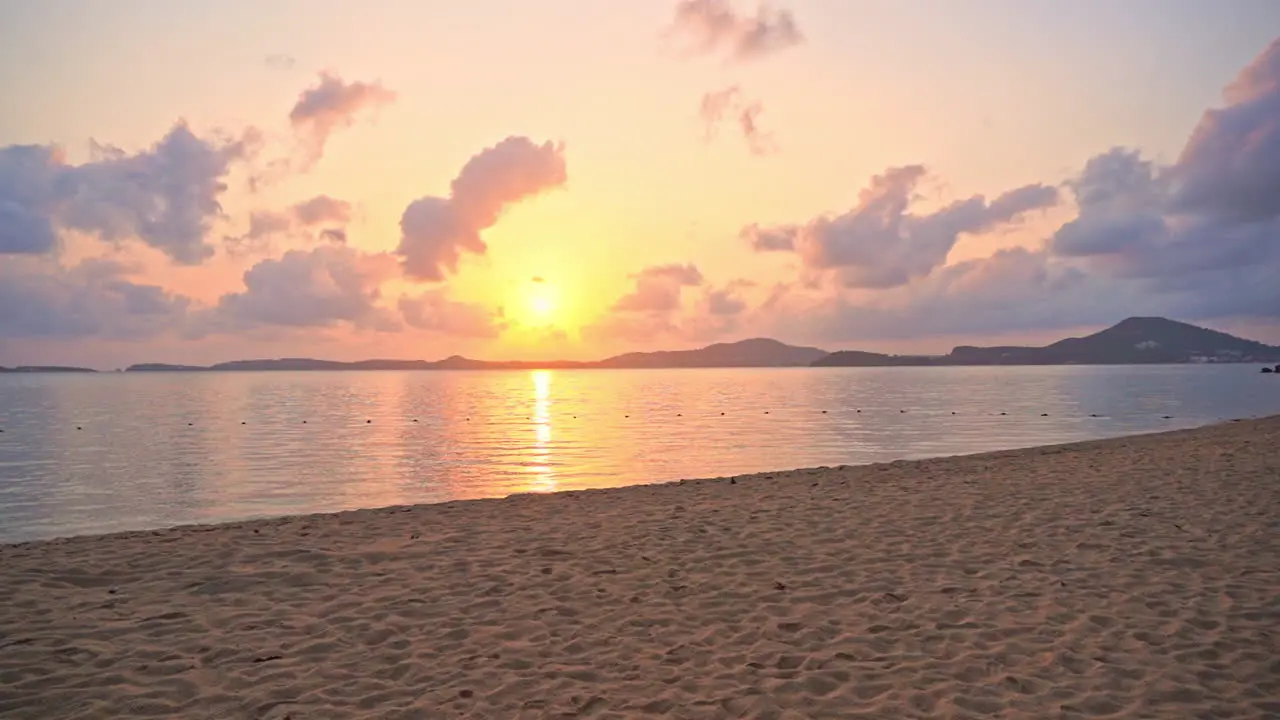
<point x="198" y="182"/>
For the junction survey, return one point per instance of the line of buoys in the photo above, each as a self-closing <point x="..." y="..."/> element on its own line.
<point x="369" y="421"/>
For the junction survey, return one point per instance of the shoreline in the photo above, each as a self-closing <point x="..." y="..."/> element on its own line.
<point x="1131" y="576"/>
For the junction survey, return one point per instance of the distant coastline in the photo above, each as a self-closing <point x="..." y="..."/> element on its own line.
<point x="1134" y="341"/>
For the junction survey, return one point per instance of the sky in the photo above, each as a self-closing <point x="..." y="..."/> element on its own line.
<point x="200" y="182"/>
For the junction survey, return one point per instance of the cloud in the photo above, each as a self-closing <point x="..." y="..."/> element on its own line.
<point x="879" y="244"/>
<point x="320" y="287"/>
<point x="727" y="300"/>
<point x="322" y="209"/>
<point x="166" y="196"/>
<point x="435" y="312"/>
<point x="267" y="224"/>
<point x="332" y="104"/>
<point x="1228" y="169"/>
<point x="1202" y="232"/>
<point x="94" y="299"/>
<point x="263" y="225"/>
<point x="436" y="231"/>
<point x="280" y="61"/>
<point x="656" y="309"/>
<point x="658" y="289"/>
<point x="1194" y="240"/>
<point x="714" y="26"/>
<point x="650" y="309"/>
<point x="1014" y="290"/>
<point x="716" y="106"/>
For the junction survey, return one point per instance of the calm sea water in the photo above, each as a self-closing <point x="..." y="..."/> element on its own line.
<point x="96" y="453"/>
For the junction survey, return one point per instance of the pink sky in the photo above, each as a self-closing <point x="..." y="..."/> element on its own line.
<point x="578" y="179"/>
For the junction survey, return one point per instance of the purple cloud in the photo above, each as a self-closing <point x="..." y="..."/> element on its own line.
<point x="714" y="26"/>
<point x="880" y="244"/>
<point x="332" y="104"/>
<point x="166" y="196"/>
<point x="658" y="289"/>
<point x="320" y="287"/>
<point x="433" y="311"/>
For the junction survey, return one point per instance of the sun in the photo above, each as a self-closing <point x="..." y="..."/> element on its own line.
<point x="542" y="306"/>
<point x="541" y="303"/>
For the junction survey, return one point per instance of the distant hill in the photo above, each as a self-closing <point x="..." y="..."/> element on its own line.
<point x="758" y="352"/>
<point x="1136" y="340"/>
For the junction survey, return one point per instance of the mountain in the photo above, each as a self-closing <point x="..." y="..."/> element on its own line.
<point x="758" y="352"/>
<point x="862" y="358"/>
<point x="1133" y="341"/>
<point x="163" y="367"/>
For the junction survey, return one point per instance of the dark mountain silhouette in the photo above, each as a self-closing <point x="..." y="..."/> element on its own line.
<point x="1133" y="341"/>
<point x="758" y="352"/>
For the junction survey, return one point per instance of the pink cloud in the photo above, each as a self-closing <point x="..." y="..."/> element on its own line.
<point x="331" y="105"/>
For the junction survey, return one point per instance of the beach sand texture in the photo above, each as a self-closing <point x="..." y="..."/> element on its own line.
<point x="1127" y="578"/>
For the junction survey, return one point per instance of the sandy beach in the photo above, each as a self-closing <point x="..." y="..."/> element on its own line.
<point x="1128" y="578"/>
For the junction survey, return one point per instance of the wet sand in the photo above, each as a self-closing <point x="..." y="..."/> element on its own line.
<point x="1137" y="577"/>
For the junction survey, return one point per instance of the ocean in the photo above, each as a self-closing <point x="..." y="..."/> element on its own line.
<point x="84" y="454"/>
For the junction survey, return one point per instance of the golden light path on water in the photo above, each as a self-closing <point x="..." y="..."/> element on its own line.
<point x="544" y="479"/>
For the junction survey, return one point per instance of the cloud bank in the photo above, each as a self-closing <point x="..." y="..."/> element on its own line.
<point x="320" y="287"/>
<point x="167" y="196"/>
<point x="1198" y="239"/>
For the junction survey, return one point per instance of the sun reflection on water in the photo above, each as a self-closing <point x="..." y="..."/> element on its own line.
<point x="543" y="479"/>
